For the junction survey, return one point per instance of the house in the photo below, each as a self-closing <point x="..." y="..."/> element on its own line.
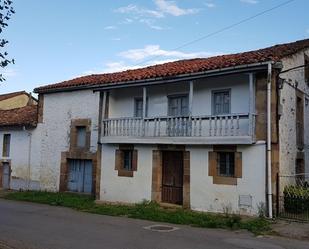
<point x="18" y="140"/>
<point x="210" y="134"/>
<point x="16" y="100"/>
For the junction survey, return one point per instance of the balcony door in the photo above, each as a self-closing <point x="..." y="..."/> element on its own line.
<point x="178" y="112"/>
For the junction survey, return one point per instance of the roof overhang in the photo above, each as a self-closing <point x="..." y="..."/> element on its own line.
<point x="163" y="80"/>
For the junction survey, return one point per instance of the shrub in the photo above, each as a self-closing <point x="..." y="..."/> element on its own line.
<point x="296" y="199"/>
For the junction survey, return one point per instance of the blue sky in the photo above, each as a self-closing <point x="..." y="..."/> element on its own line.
<point x="57" y="40"/>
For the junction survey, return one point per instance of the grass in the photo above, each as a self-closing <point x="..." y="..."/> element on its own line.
<point x="145" y="210"/>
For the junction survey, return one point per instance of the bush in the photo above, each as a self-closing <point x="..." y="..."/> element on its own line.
<point x="296" y="199"/>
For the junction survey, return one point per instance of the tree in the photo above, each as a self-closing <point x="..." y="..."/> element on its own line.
<point x="6" y="11"/>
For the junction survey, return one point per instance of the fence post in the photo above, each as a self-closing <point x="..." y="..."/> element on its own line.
<point x="277" y="195"/>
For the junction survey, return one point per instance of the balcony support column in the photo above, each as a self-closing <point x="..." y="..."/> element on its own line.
<point x="190" y="97"/>
<point x="251" y="106"/>
<point x="144" y="109"/>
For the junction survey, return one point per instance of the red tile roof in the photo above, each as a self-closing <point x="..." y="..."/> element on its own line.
<point x="11" y="95"/>
<point x="24" y="116"/>
<point x="274" y="53"/>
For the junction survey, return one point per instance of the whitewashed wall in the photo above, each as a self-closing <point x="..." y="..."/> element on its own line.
<point x="287" y="123"/>
<point x="24" y="157"/>
<point x="59" y="110"/>
<point x="122" y="100"/>
<point x="205" y="196"/>
<point x="134" y="189"/>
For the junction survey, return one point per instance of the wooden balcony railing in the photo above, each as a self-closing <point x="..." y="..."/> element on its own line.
<point x="231" y="125"/>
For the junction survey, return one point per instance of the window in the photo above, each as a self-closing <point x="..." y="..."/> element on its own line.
<point x="306" y="69"/>
<point x="299" y="120"/>
<point x="138" y="107"/>
<point x="226" y="164"/>
<point x="221" y="102"/>
<point x="178" y="105"/>
<point x="81" y="136"/>
<point x="6" y="145"/>
<point x="126" y="160"/>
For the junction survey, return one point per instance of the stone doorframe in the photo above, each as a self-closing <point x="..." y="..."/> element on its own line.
<point x="64" y="168"/>
<point x="157" y="163"/>
<point x="1" y="171"/>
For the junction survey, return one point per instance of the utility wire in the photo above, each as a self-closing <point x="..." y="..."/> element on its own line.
<point x="221" y="30"/>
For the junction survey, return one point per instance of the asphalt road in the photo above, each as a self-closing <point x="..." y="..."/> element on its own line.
<point x="34" y="226"/>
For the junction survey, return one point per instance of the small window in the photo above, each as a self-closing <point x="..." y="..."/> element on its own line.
<point x="178" y="105"/>
<point x="306" y="69"/>
<point x="226" y="164"/>
<point x="138" y="108"/>
<point x="221" y="102"/>
<point x="81" y="136"/>
<point x="6" y="145"/>
<point x="127" y="159"/>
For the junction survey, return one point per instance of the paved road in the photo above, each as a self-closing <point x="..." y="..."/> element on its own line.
<point x="33" y="226"/>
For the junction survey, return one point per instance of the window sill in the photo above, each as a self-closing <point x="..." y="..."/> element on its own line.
<point x="224" y="180"/>
<point x="125" y="173"/>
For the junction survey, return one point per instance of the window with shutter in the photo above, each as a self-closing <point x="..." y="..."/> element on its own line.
<point x="6" y="145"/>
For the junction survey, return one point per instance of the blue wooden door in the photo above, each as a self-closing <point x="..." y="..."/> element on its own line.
<point x="80" y="176"/>
<point x="6" y="176"/>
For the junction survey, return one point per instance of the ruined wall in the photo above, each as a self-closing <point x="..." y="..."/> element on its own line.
<point x="287" y="123"/>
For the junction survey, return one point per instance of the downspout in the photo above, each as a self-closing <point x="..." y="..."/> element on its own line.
<point x="269" y="183"/>
<point x="29" y="157"/>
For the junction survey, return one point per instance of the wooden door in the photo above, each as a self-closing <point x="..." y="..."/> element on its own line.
<point x="80" y="176"/>
<point x="6" y="175"/>
<point x="172" y="177"/>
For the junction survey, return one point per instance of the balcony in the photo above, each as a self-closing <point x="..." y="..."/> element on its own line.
<point x="221" y="129"/>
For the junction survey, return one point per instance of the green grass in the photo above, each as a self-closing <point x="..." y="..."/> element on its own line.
<point x="145" y="210"/>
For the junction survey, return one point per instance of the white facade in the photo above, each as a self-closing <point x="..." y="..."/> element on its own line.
<point x="59" y="110"/>
<point x="204" y="195"/>
<point x="24" y="157"/>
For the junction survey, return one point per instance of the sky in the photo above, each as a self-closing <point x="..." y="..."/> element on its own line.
<point x="56" y="40"/>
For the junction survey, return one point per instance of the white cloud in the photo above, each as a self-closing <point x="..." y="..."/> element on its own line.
<point x="110" y="27"/>
<point x="155" y="50"/>
<point x="210" y="5"/>
<point x="151" y="24"/>
<point x="116" y="39"/>
<point x="147" y="56"/>
<point x="170" y="7"/>
<point x="134" y="9"/>
<point x="250" y="1"/>
<point x="8" y="72"/>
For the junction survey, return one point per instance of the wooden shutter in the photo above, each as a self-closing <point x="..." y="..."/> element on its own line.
<point x="238" y="164"/>
<point x="212" y="163"/>
<point x="119" y="159"/>
<point x="134" y="160"/>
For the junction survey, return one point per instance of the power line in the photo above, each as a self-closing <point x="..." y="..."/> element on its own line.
<point x="221" y="30"/>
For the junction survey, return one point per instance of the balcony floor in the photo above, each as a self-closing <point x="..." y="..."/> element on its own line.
<point x="178" y="140"/>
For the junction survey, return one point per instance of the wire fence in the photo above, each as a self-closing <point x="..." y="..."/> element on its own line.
<point x="293" y="197"/>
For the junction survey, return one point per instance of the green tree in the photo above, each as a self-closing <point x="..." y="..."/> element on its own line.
<point x="6" y="12"/>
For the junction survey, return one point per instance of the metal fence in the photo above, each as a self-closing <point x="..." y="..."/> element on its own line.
<point x="293" y="197"/>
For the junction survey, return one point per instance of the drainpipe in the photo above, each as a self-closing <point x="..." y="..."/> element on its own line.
<point x="29" y="157"/>
<point x="269" y="183"/>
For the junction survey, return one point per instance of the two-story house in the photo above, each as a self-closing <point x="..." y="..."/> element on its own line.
<point x="210" y="134"/>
